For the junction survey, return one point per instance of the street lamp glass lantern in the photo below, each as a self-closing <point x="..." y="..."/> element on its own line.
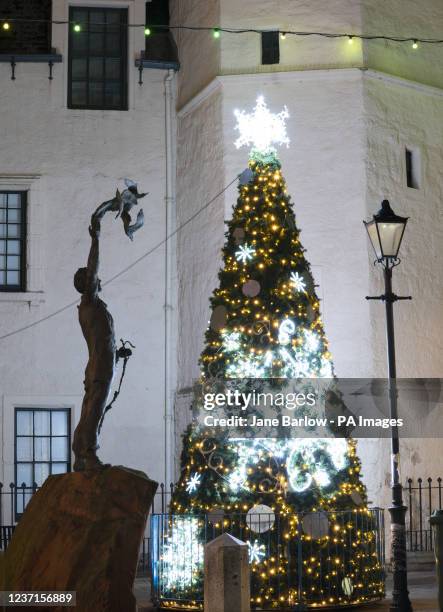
<point x="385" y="232"/>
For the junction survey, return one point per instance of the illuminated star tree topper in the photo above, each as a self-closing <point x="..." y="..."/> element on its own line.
<point x="261" y="128"/>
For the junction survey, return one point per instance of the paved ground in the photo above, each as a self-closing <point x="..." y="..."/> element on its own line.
<point x="422" y="587"/>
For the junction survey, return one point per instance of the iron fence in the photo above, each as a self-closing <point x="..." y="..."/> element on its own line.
<point x="14" y="499"/>
<point x="423" y="499"/>
<point x="296" y="570"/>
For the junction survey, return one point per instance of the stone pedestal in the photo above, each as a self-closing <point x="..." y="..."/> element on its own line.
<point x="436" y="522"/>
<point x="82" y="532"/>
<point x="227" y="579"/>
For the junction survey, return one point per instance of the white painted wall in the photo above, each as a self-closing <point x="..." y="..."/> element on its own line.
<point x="201" y="57"/>
<point x="242" y="53"/>
<point x="71" y="160"/>
<point x="400" y="114"/>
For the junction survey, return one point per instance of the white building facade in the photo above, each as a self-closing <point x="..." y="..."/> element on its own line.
<point x="67" y="144"/>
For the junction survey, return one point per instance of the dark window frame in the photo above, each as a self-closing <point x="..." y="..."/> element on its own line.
<point x="270" y="48"/>
<point x="21" y="287"/>
<point x="413" y="169"/>
<point x="34" y="409"/>
<point x="124" y="57"/>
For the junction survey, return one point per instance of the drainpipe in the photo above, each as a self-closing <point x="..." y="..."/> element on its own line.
<point x="170" y="280"/>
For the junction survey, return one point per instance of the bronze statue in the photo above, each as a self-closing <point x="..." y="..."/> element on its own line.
<point x="122" y="204"/>
<point x="98" y="330"/>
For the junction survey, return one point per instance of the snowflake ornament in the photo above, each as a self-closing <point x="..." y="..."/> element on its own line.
<point x="257" y="551"/>
<point x="261" y="128"/>
<point x="297" y="281"/>
<point x="193" y="482"/>
<point x="312" y="341"/>
<point x="245" y="253"/>
<point x="237" y="480"/>
<point x="232" y="341"/>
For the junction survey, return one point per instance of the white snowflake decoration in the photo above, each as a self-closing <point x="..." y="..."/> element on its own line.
<point x="312" y="341"/>
<point x="245" y="253"/>
<point x="261" y="128"/>
<point x="238" y="479"/>
<point x="231" y="341"/>
<point x="257" y="551"/>
<point x="193" y="483"/>
<point x="298" y="282"/>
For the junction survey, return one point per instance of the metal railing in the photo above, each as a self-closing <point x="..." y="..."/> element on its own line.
<point x="423" y="497"/>
<point x="14" y="499"/>
<point x="295" y="569"/>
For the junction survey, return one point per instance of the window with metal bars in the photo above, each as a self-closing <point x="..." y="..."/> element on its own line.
<point x="42" y="448"/>
<point x="270" y="48"/>
<point x="98" y="58"/>
<point x="13" y="240"/>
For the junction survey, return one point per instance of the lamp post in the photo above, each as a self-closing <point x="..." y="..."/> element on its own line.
<point x="385" y="231"/>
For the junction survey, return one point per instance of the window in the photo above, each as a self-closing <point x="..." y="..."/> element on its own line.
<point x="98" y="59"/>
<point x="270" y="48"/>
<point x="42" y="447"/>
<point x="159" y="45"/>
<point x="413" y="168"/>
<point x="31" y="33"/>
<point x="12" y="240"/>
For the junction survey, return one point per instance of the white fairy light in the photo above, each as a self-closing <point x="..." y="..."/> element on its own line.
<point x="326" y="368"/>
<point x="245" y="253"/>
<point x="321" y="477"/>
<point x="338" y="450"/>
<point x="193" y="483"/>
<point x="246" y="368"/>
<point x="261" y="128"/>
<point x="182" y="553"/>
<point x="285" y="331"/>
<point x="312" y="340"/>
<point x="231" y="341"/>
<point x="297" y="281"/>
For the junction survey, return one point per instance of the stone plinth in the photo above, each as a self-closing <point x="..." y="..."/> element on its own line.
<point x="227" y="579"/>
<point x="82" y="532"/>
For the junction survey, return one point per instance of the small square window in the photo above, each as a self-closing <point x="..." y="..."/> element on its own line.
<point x="413" y="168"/>
<point x="270" y="48"/>
<point x="13" y="241"/>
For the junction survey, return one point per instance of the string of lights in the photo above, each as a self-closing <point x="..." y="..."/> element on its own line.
<point x="125" y="270"/>
<point x="218" y="31"/>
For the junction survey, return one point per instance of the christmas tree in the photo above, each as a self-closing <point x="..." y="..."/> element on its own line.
<point x="298" y="502"/>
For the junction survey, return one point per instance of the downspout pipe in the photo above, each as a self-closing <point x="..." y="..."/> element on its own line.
<point x="170" y="303"/>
